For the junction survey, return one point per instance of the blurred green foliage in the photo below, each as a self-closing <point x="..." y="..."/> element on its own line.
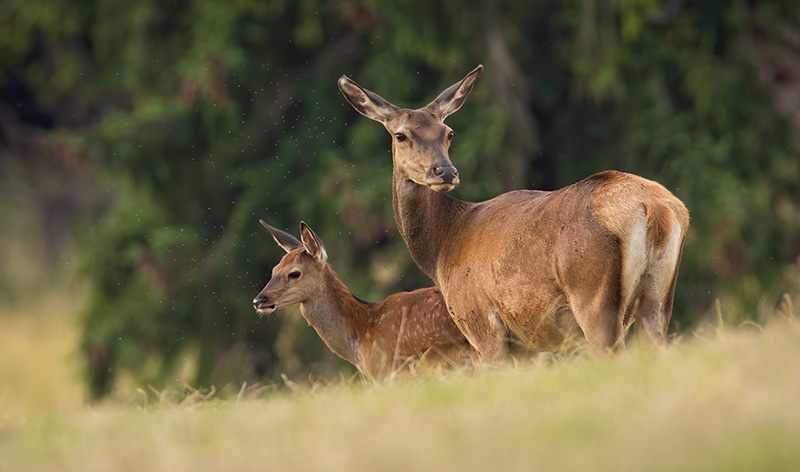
<point x="200" y="117"/>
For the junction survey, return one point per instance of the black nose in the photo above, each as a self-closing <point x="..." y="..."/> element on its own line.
<point x="258" y="301"/>
<point x="447" y="173"/>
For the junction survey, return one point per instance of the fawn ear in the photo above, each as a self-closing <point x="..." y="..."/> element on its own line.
<point x="284" y="239"/>
<point x="369" y="104"/>
<point x="312" y="243"/>
<point x="449" y="101"/>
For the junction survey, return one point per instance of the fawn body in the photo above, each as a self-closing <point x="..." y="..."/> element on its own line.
<point x="378" y="338"/>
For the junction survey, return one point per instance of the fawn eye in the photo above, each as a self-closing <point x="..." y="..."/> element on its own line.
<point x="294" y="274"/>
<point x="450" y="135"/>
<point x="400" y="137"/>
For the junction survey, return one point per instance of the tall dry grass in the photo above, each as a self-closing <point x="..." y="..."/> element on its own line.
<point x="39" y="366"/>
<point x="721" y="398"/>
<point x="721" y="401"/>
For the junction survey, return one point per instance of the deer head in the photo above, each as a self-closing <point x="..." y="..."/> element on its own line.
<point x="298" y="276"/>
<point x="420" y="139"/>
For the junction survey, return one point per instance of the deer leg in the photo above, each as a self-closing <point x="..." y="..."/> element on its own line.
<point x="600" y="316"/>
<point x="658" y="289"/>
<point x="484" y="329"/>
<point x="604" y="332"/>
<point x="651" y="315"/>
<point x="592" y="280"/>
<point x="655" y="308"/>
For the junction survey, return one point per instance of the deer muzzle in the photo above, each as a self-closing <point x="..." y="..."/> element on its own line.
<point x="443" y="178"/>
<point x="263" y="305"/>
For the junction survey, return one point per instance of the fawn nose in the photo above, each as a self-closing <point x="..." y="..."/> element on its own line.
<point x="448" y="174"/>
<point x="258" y="301"/>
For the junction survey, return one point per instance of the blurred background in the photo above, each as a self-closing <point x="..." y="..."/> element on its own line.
<point x="141" y="141"/>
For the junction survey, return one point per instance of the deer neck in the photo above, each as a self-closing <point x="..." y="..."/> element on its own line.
<point x="425" y="219"/>
<point x="338" y="317"/>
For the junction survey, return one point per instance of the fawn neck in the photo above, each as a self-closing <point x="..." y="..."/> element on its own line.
<point x="338" y="317"/>
<point x="426" y="220"/>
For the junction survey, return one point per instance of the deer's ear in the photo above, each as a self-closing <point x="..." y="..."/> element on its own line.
<point x="312" y="243"/>
<point x="284" y="239"/>
<point x="369" y="104"/>
<point x="449" y="101"/>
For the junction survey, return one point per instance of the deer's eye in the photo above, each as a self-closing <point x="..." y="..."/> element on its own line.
<point x="450" y="135"/>
<point x="294" y="274"/>
<point x="400" y="137"/>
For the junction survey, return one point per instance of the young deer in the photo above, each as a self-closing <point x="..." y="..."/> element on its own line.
<point x="378" y="338"/>
<point x="581" y="262"/>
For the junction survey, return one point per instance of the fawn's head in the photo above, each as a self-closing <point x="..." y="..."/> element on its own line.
<point x="420" y="139"/>
<point x="298" y="277"/>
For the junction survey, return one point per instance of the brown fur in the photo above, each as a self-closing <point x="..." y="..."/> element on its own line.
<point x="551" y="268"/>
<point x="378" y="338"/>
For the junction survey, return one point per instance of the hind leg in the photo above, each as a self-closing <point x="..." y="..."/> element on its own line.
<point x="594" y="296"/>
<point x="654" y="319"/>
<point x="655" y="309"/>
<point x="597" y="308"/>
<point x="483" y="328"/>
<point x="655" y="306"/>
<point x="601" y="323"/>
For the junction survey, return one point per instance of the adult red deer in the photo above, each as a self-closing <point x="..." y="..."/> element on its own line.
<point x="581" y="262"/>
<point x="378" y="338"/>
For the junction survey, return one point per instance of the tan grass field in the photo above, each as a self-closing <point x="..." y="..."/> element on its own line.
<point x="39" y="366"/>
<point x="728" y="401"/>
